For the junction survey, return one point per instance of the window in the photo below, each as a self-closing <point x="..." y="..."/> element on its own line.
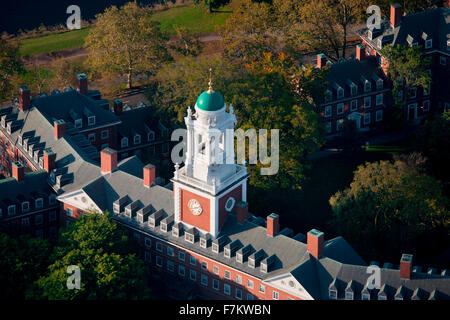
<point x="275" y="295"/>
<point x="230" y="203"/>
<point x="11" y="210"/>
<point x="354" y="105"/>
<point x="91" y="120"/>
<point x="328" y="96"/>
<point x="181" y="270"/>
<point x="249" y="296"/>
<point x="105" y="134"/>
<point x="238" y="279"/>
<point x="379" y="99"/>
<point x="147" y="256"/>
<point x="238" y="294"/>
<point x="215" y="284"/>
<point x="367" y="86"/>
<point x="26" y="221"/>
<point x="379" y="84"/>
<point x="38" y="219"/>
<point x="412" y="93"/>
<point x="170" y="266"/>
<point x="349" y="295"/>
<point x="216" y="269"/>
<point x="159" y="261"/>
<point x="124" y="142"/>
<point x="332" y="294"/>
<point x="226" y="289"/>
<point x="52" y="216"/>
<point x="379" y="115"/>
<point x="25" y="206"/>
<point x="137" y="139"/>
<point x="69" y="212"/>
<point x="262" y="288"/>
<point x="204" y="265"/>
<point x="192" y="260"/>
<point x="181" y="255"/>
<point x="367" y="118"/>
<point x="367" y="102"/>
<point x="78" y="123"/>
<point x="148" y="242"/>
<point x="193" y="275"/>
<point x="428" y="43"/>
<point x="170" y="252"/>
<point x="250" y="284"/>
<point x="227" y="274"/>
<point x="426" y="105"/>
<point x="204" y="280"/>
<point x="150" y="136"/>
<point x="340" y="108"/>
<point x="339" y="124"/>
<point x="39" y="203"/>
<point x="328" y="111"/>
<point x="159" y="247"/>
<point x="443" y="60"/>
<point x="91" y="137"/>
<point x="382" y="297"/>
<point x="329" y="127"/>
<point x="340" y="93"/>
<point x="365" y="296"/>
<point x="215" y="248"/>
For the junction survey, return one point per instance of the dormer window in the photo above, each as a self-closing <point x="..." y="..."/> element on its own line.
<point x="263" y="267"/>
<point x="25" y="206"/>
<point x="227" y="252"/>
<point x="39" y="203"/>
<point x="354" y="90"/>
<point x="116" y="208"/>
<point x="365" y="296"/>
<point x="78" y="123"/>
<point x="251" y="262"/>
<point x="349" y="295"/>
<point x="203" y="243"/>
<point x="215" y="248"/>
<point x="340" y="93"/>
<point x="332" y="294"/>
<point x="91" y="120"/>
<point x="124" y="142"/>
<point x="11" y="210"/>
<point x="137" y="139"/>
<point x="189" y="237"/>
<point x="367" y="86"/>
<point x="239" y="257"/>
<point x="150" y="136"/>
<point x="428" y="44"/>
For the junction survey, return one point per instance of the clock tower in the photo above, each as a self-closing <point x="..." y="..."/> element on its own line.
<point x="210" y="184"/>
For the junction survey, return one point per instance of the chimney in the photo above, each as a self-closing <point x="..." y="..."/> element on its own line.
<point x="241" y="211"/>
<point x="108" y="160"/>
<point x="82" y="85"/>
<point x="149" y="175"/>
<point x="60" y="128"/>
<point x="118" y="106"/>
<point x="360" y="52"/>
<point x="321" y="61"/>
<point x="49" y="160"/>
<point x="315" y="241"/>
<point x="24" y="97"/>
<point x="18" y="170"/>
<point x="396" y="14"/>
<point x="406" y="266"/>
<point x="273" y="225"/>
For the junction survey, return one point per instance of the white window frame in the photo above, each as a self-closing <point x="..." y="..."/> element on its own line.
<point x="78" y="123"/>
<point x="181" y="256"/>
<point x="159" y="247"/>
<point x="137" y="139"/>
<point x="193" y="275"/>
<point x="328" y="111"/>
<point x="379" y="99"/>
<point x="181" y="270"/>
<point x="69" y="212"/>
<point x="104" y="134"/>
<point x="192" y="260"/>
<point x="340" y="93"/>
<point x="338" y="107"/>
<point x="236" y="295"/>
<point x="379" y="115"/>
<point x="170" y="252"/>
<point x="227" y="289"/>
<point x="355" y="103"/>
<point x="349" y="295"/>
<point x="275" y="295"/>
<point x="369" y="99"/>
<point x="27" y="203"/>
<point x="355" y="87"/>
<point x="39" y="203"/>
<point x="91" y="120"/>
<point x="428" y="43"/>
<point x="238" y="279"/>
<point x="365" y="296"/>
<point x="204" y="280"/>
<point x="124" y="142"/>
<point x="367" y="116"/>
<point x="249" y="283"/>
<point x="262" y="288"/>
<point x="332" y="294"/>
<point x="216" y="269"/>
<point x="227" y="274"/>
<point x="215" y="284"/>
<point x="170" y="266"/>
<point x="367" y="86"/>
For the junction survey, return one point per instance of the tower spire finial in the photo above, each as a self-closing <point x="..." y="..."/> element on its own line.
<point x="210" y="89"/>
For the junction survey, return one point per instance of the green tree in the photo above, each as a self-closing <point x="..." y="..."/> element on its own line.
<point x="23" y="260"/>
<point x="127" y="42"/>
<point x="65" y="72"/>
<point x="10" y="65"/>
<point x="407" y="67"/>
<point x="212" y="4"/>
<point x="394" y="207"/>
<point x="186" y="44"/>
<point x="101" y="249"/>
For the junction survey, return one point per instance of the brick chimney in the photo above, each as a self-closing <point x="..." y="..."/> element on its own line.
<point x="49" y="160"/>
<point x="241" y="211"/>
<point x="82" y="85"/>
<point x="18" y="170"/>
<point x="396" y="14"/>
<point x="108" y="158"/>
<point x="321" y="61"/>
<point x="315" y="240"/>
<point x="118" y="106"/>
<point x="24" y="97"/>
<point x="60" y="128"/>
<point x="360" y="52"/>
<point x="406" y="266"/>
<point x="273" y="224"/>
<point x="149" y="175"/>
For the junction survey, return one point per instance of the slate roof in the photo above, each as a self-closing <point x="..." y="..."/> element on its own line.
<point x="33" y="182"/>
<point x="434" y="22"/>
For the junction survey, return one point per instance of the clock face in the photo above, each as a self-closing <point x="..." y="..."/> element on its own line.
<point x="195" y="207"/>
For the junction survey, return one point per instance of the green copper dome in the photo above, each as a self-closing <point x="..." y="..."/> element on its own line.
<point x="210" y="101"/>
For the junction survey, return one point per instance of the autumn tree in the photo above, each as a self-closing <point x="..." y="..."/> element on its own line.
<point x="10" y="65"/>
<point x="65" y="72"/>
<point x="127" y="42"/>
<point x="109" y="267"/>
<point x="186" y="44"/>
<point x="212" y="4"/>
<point x="394" y="207"/>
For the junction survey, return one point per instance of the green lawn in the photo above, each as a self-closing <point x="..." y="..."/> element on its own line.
<point x="195" y="18"/>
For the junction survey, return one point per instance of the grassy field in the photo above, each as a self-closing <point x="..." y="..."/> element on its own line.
<point x="195" y="18"/>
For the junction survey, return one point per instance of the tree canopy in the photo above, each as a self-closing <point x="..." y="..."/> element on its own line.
<point x="10" y="65"/>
